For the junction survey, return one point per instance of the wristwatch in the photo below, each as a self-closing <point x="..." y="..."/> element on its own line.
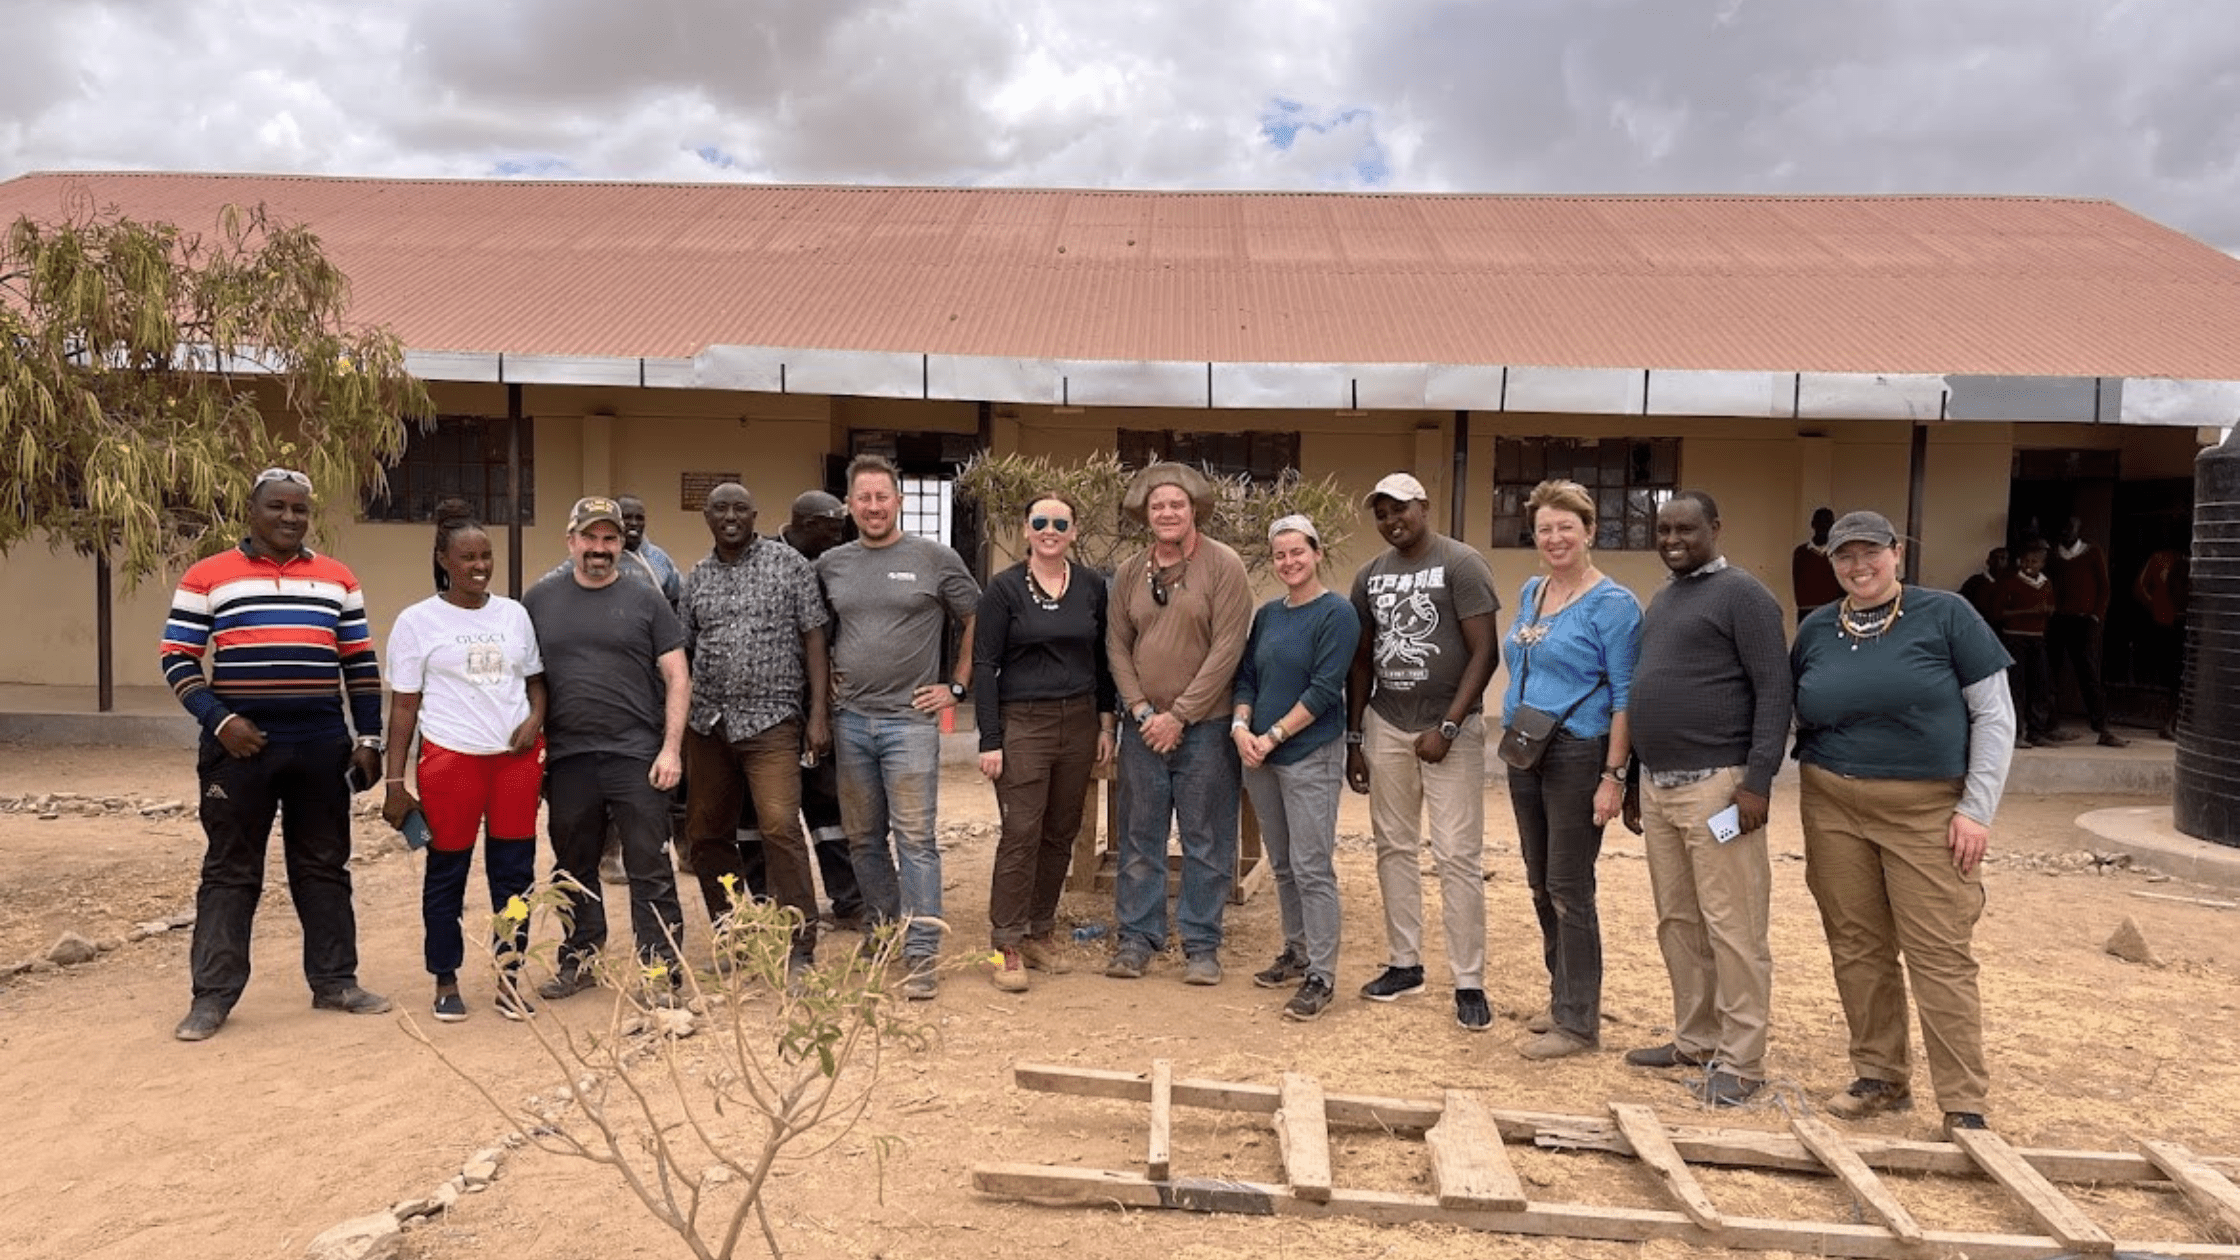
<point x="1354" y="738"/>
<point x="375" y="742"/>
<point x="1448" y="731"/>
<point x="1143" y="712"/>
<point x="1616" y="773"/>
<point x="956" y="690"/>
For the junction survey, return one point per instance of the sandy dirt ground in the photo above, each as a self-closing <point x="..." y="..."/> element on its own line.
<point x="120" y="1142"/>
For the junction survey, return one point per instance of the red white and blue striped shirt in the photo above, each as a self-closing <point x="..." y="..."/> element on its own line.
<point x="285" y="641"/>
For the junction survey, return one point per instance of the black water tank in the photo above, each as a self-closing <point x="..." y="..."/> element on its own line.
<point x="2205" y="800"/>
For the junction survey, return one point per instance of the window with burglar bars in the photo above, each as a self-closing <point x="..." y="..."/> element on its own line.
<point x="1629" y="478"/>
<point x="463" y="457"/>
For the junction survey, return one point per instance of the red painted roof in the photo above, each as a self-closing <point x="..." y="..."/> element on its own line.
<point x="1992" y="285"/>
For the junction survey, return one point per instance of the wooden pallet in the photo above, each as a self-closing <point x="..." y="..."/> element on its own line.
<point x="1474" y="1184"/>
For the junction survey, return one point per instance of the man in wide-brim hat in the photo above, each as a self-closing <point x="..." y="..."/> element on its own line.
<point x="1191" y="482"/>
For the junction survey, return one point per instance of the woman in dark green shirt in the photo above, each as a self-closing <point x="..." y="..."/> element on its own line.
<point x="1905" y="729"/>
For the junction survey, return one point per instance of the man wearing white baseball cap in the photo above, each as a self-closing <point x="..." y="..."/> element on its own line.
<point x="1416" y="737"/>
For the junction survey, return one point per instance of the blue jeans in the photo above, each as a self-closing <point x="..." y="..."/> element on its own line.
<point x="1298" y="810"/>
<point x="1196" y="787"/>
<point x="890" y="781"/>
<point x="1560" y="841"/>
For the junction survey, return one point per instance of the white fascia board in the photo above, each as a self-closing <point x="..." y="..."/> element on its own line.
<point x="1464" y="386"/>
<point x="2175" y="401"/>
<point x="570" y="369"/>
<point x="1869" y="396"/>
<point x="1753" y="395"/>
<point x="472" y="367"/>
<point x="977" y="378"/>
<point x="2058" y="399"/>
<point x="1140" y="383"/>
<point x="746" y="369"/>
<point x="1318" y="386"/>
<point x="866" y="373"/>
<point x="1576" y="391"/>
<point x="670" y="373"/>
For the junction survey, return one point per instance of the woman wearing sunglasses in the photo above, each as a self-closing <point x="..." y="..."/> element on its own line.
<point x="1043" y="700"/>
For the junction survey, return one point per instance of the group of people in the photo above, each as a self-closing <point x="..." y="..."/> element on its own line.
<point x="785" y="656"/>
<point x="2049" y="604"/>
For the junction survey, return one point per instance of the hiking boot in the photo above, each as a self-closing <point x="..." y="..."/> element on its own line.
<point x="1555" y="1044"/>
<point x="922" y="984"/>
<point x="1963" y="1120"/>
<point x="1668" y="1055"/>
<point x="350" y="999"/>
<point x="1288" y="968"/>
<point x="1040" y="953"/>
<point x="1010" y="974"/>
<point x="1394" y="982"/>
<point x="1128" y="963"/>
<point x="450" y="1008"/>
<point x="1310" y="1001"/>
<point x="1725" y="1089"/>
<point x="1869" y="1097"/>
<point x="571" y="979"/>
<point x="203" y="1021"/>
<point x="1471" y="1013"/>
<point x="1202" y="969"/>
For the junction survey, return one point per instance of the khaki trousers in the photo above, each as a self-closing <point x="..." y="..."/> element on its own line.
<point x="1402" y="791"/>
<point x="1876" y="861"/>
<point x="1712" y="907"/>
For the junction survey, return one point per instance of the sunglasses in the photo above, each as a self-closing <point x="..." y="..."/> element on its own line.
<point x="283" y="474"/>
<point x="1059" y="523"/>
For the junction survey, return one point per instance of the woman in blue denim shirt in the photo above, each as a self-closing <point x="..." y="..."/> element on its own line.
<point x="1570" y="653"/>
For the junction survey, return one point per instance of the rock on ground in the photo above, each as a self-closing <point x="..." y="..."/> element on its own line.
<point x="2130" y="944"/>
<point x="70" y="949"/>
<point x="374" y="1237"/>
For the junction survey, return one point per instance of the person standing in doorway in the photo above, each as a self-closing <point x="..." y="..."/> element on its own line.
<point x="1812" y="581"/>
<point x="1708" y="716"/>
<point x="1978" y="590"/>
<point x="618" y="694"/>
<point x="1416" y="736"/>
<point x="283" y="631"/>
<point x="892" y="594"/>
<point x="1180" y="613"/>
<point x="2021" y="607"/>
<point x="2075" y="633"/>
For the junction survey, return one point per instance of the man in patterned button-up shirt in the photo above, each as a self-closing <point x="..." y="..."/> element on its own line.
<point x="754" y="622"/>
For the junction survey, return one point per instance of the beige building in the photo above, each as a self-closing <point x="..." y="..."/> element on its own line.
<point x="1965" y="365"/>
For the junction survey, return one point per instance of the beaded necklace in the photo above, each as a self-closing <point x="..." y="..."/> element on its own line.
<point x="1046" y="600"/>
<point x="1864" y="626"/>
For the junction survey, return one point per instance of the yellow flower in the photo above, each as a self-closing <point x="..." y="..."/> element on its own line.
<point x="657" y="971"/>
<point x="730" y="883"/>
<point x="516" y="911"/>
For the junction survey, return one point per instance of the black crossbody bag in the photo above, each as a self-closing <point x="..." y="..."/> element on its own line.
<point x="1525" y="740"/>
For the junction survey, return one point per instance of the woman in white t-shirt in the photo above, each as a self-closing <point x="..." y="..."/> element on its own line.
<point x="465" y="674"/>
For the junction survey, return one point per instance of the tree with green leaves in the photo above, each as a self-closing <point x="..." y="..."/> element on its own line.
<point x="147" y="373"/>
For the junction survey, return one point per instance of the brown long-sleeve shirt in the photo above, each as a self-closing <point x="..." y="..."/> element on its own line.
<point x="1180" y="657"/>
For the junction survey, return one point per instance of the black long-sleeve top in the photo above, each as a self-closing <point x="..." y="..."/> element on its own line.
<point x="1022" y="650"/>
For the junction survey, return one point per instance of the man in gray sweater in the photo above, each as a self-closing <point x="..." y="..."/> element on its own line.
<point x="1709" y="715"/>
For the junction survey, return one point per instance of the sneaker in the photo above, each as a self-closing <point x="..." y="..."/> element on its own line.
<point x="1288" y="968"/>
<point x="922" y="983"/>
<point x="610" y="864"/>
<point x="1310" y="1001"/>
<point x="1010" y="974"/>
<point x="450" y="1007"/>
<point x="1202" y="969"/>
<point x="1395" y="982"/>
<point x="512" y="1003"/>
<point x="1554" y="1044"/>
<point x="1538" y="1021"/>
<point x="1040" y="953"/>
<point x="1668" y="1055"/>
<point x="350" y="999"/>
<point x="1725" y="1089"/>
<point x="1471" y="1013"/>
<point x="1868" y="1097"/>
<point x="1129" y="963"/>
<point x="203" y="1021"/>
<point x="570" y="980"/>
<point x="1963" y="1120"/>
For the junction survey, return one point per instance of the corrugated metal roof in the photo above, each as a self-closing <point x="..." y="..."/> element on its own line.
<point x="1974" y="285"/>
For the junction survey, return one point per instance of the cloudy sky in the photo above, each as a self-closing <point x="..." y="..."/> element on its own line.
<point x="2134" y="100"/>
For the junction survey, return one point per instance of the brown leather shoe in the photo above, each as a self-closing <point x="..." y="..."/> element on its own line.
<point x="1869" y="1097"/>
<point x="1668" y="1055"/>
<point x="1040" y="953"/>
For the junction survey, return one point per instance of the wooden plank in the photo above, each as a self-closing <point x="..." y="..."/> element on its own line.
<point x="1652" y="1147"/>
<point x="1304" y="1131"/>
<point x="1469" y="1166"/>
<point x="2069" y="1226"/>
<point x="1086" y="1187"/>
<point x="1158" y="1165"/>
<point x="1860" y="1180"/>
<point x="2211" y="1193"/>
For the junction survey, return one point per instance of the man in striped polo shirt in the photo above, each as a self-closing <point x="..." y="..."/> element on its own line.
<point x="283" y="630"/>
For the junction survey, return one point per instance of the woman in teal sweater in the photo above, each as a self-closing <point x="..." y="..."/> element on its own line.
<point x="1290" y="714"/>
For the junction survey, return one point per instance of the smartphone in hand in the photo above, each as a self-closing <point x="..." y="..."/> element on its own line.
<point x="357" y="779"/>
<point x="416" y="832"/>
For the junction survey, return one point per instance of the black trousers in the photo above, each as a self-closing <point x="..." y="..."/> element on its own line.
<point x="2030" y="680"/>
<point x="2073" y="640"/>
<point x="301" y="783"/>
<point x="584" y="794"/>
